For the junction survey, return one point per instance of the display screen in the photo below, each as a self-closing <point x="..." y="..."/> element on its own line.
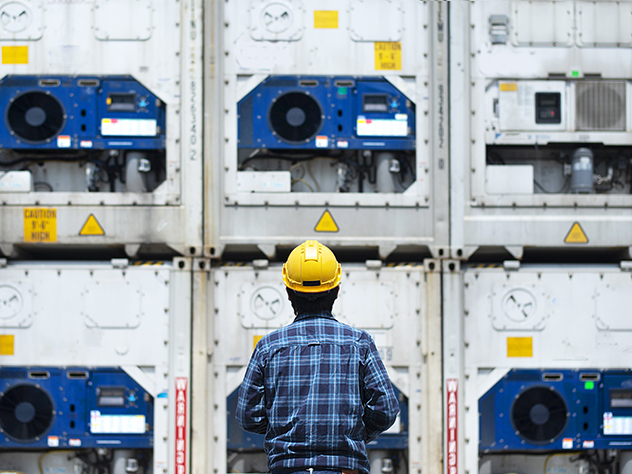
<point x="620" y="398"/>
<point x="111" y="396"/>
<point x="375" y="103"/>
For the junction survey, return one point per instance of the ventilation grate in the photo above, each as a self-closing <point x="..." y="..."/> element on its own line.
<point x="601" y="105"/>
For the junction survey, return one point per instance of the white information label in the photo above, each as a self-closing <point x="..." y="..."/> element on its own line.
<point x="616" y="425"/>
<point x="128" y="127"/>
<point x="106" y="424"/>
<point x="397" y="127"/>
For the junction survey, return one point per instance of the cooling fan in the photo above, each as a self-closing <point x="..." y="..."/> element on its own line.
<point x="26" y="412"/>
<point x="295" y="117"/>
<point x="35" y="117"/>
<point x="539" y="415"/>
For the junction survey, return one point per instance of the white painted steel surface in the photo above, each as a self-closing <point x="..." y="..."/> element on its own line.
<point x="397" y="305"/>
<point x="501" y="55"/>
<point x="160" y="45"/>
<point x="104" y="314"/>
<point x="261" y="38"/>
<point x="569" y="316"/>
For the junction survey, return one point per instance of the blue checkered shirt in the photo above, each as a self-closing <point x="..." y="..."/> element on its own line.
<point x="319" y="392"/>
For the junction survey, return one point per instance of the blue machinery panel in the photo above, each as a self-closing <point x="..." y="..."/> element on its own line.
<point x="240" y="440"/>
<point x="53" y="407"/>
<point x="551" y="409"/>
<point x="80" y="112"/>
<point x="323" y="112"/>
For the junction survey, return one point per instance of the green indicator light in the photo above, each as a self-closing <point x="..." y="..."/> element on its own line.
<point x="342" y="90"/>
<point x="589" y="385"/>
<point x="575" y="73"/>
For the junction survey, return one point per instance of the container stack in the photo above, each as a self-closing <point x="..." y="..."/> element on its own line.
<point x="536" y="376"/>
<point x="101" y="203"/>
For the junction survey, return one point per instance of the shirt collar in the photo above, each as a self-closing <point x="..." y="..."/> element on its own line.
<point x="317" y="314"/>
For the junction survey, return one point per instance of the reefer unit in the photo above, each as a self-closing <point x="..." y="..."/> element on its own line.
<point x="537" y="367"/>
<point x="332" y="116"/>
<point x="94" y="136"/>
<point x="541" y="122"/>
<point x="396" y="305"/>
<point x="95" y="366"/>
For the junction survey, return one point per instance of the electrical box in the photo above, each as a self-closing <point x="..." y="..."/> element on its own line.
<point x="395" y="305"/>
<point x="540" y="94"/>
<point x="93" y="131"/>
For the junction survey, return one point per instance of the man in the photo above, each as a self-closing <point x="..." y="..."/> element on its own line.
<point x="316" y="388"/>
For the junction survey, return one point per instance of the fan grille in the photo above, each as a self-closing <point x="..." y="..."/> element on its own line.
<point x="295" y="117"/>
<point x="539" y="415"/>
<point x="35" y="117"/>
<point x="26" y="412"/>
<point x="601" y="105"/>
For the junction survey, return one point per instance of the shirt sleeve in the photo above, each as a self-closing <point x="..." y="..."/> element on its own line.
<point x="251" y="404"/>
<point x="380" y="403"/>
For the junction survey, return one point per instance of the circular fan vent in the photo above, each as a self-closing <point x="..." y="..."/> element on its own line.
<point x="35" y="117"/>
<point x="26" y="412"/>
<point x="295" y="117"/>
<point x="539" y="415"/>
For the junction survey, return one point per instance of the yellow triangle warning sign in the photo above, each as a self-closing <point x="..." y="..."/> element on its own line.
<point x="576" y="235"/>
<point x="92" y="227"/>
<point x="326" y="223"/>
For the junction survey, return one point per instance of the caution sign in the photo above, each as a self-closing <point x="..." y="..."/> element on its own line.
<point x="452" y="386"/>
<point x="326" y="223"/>
<point x="181" y="424"/>
<point x="576" y="235"/>
<point x="40" y="224"/>
<point x="519" y="347"/>
<point x="92" y="227"/>
<point x="388" y="56"/>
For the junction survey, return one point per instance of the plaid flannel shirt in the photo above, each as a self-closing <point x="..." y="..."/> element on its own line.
<point x="319" y="392"/>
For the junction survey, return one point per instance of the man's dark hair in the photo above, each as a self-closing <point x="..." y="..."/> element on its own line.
<point x="312" y="302"/>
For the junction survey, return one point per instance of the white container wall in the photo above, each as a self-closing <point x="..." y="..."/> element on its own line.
<point x="332" y="117"/>
<point x="397" y="305"/>
<point x="96" y="366"/>
<point x="102" y="147"/>
<point x="537" y="367"/>
<point x="541" y="110"/>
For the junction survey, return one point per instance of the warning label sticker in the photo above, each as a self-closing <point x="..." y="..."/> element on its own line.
<point x="15" y="55"/>
<point x="519" y="347"/>
<point x="326" y="223"/>
<point x="7" y="344"/>
<point x="128" y="127"/>
<point x="92" y="227"/>
<point x="388" y="56"/>
<point x="40" y="224"/>
<point x="325" y="19"/>
<point x="576" y="235"/>
<point x="383" y="127"/>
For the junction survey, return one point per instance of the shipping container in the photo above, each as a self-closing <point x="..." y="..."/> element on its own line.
<point x="95" y="366"/>
<point x="537" y="367"/>
<point x="101" y="148"/>
<point x="330" y="121"/>
<point x="398" y="305"/>
<point x="541" y="110"/>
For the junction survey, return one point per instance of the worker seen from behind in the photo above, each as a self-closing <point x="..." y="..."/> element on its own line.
<point x="316" y="388"/>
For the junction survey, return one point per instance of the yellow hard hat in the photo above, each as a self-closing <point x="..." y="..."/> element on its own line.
<point x="311" y="268"/>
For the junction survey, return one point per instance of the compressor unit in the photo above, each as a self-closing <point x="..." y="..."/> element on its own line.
<point x="550" y="410"/>
<point x="316" y="112"/>
<point x="58" y="407"/>
<point x="111" y="127"/>
<point x="326" y="134"/>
